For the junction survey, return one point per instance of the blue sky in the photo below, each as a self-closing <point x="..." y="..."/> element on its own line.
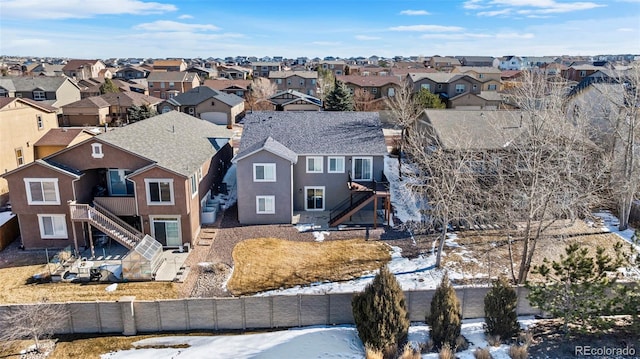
<point x="199" y="28"/>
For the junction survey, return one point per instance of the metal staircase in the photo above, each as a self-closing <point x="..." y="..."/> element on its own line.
<point x="107" y="223"/>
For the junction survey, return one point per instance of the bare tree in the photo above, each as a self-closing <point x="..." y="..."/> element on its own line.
<point x="261" y="90"/>
<point x="326" y="81"/>
<point x="364" y="100"/>
<point x="35" y="321"/>
<point x="404" y="112"/>
<point x="548" y="174"/>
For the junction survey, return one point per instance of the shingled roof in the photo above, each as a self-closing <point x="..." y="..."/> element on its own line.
<point x="199" y="94"/>
<point x="174" y="140"/>
<point x="324" y="132"/>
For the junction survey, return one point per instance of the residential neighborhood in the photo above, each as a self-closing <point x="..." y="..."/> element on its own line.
<point x="336" y="180"/>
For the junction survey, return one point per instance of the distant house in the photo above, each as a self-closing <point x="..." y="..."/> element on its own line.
<point x="477" y="61"/>
<point x="301" y="81"/>
<point x="54" y="91"/>
<point x="208" y="104"/>
<point x="22" y="123"/>
<point x="176" y="65"/>
<point x="262" y="68"/>
<point x="83" y="69"/>
<point x="291" y="100"/>
<point x="510" y="63"/>
<point x="452" y="88"/>
<point x="296" y="162"/>
<point x="237" y="87"/>
<point x="132" y="72"/>
<point x="578" y="73"/>
<point x="45" y="69"/>
<point x="204" y="73"/>
<point x="443" y="63"/>
<point x="169" y="84"/>
<point x="337" y="67"/>
<point x="151" y="178"/>
<point x="57" y="139"/>
<point x="109" y="108"/>
<point x="234" y="72"/>
<point x="489" y="76"/>
<point x="378" y="86"/>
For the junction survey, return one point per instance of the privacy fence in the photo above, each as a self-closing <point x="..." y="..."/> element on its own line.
<point x="128" y="316"/>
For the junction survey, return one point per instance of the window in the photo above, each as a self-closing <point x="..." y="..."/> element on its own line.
<point x="150" y="84"/>
<point x="314" y="164"/>
<point x="391" y="92"/>
<point x="200" y="174"/>
<point x="166" y="230"/>
<point x="460" y="88"/>
<point x="374" y="90"/>
<point x="264" y="172"/>
<point x="52" y="226"/>
<point x="314" y="198"/>
<point x="301" y="82"/>
<point x="336" y="165"/>
<point x="362" y="168"/>
<point x="492" y="87"/>
<point x="194" y="184"/>
<point x="289" y="82"/>
<point x="172" y="84"/>
<point x="439" y="86"/>
<point x="3" y="92"/>
<point x="265" y="204"/>
<point x="475" y="87"/>
<point x="583" y="73"/>
<point x="162" y="85"/>
<point x="480" y="76"/>
<point x="96" y="150"/>
<point x="279" y="81"/>
<point x="19" y="156"/>
<point x="159" y="191"/>
<point x="39" y="122"/>
<point x="313" y="81"/>
<point x="426" y="87"/>
<point x="42" y="191"/>
<point x="118" y="184"/>
<point x="39" y="95"/>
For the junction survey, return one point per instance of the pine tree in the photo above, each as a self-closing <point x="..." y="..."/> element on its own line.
<point x="445" y="317"/>
<point x="108" y="87"/>
<point x="500" y="306"/>
<point x="426" y="99"/>
<point x="575" y="288"/>
<point x="380" y="312"/>
<point x="139" y="113"/>
<point x="339" y="98"/>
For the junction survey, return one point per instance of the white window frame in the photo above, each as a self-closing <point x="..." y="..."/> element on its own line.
<point x="425" y="86"/>
<point x="279" y="81"/>
<point x="166" y="218"/>
<point x="19" y="156"/>
<point x="148" y="181"/>
<point x="193" y="179"/>
<point x="265" y="165"/>
<point x="353" y="168"/>
<point x="315" y="160"/>
<point x="460" y="88"/>
<point x="324" y="198"/>
<point x="62" y="234"/>
<point x="54" y="202"/>
<point x="492" y="87"/>
<point x="267" y="209"/>
<point x="374" y="90"/>
<point x="338" y="169"/>
<point x="39" y="95"/>
<point x="39" y="122"/>
<point x="96" y="150"/>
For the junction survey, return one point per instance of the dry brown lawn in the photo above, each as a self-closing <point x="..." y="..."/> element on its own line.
<point x="271" y="263"/>
<point x="14" y="288"/>
<point x="485" y="253"/>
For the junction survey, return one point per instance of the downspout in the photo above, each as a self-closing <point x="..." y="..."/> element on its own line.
<point x="135" y="195"/>
<point x="73" y="226"/>
<point x="292" y="191"/>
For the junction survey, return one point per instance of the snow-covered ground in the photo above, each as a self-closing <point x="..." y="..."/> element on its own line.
<point x="405" y="205"/>
<point x="309" y="342"/>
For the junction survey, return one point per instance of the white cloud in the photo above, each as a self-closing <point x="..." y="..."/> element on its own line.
<point x="515" y="35"/>
<point x="174" y="26"/>
<point x="625" y="29"/>
<point x="78" y="9"/>
<point x="495" y="12"/>
<point x="473" y="5"/>
<point x="327" y="43"/>
<point x="456" y="37"/>
<point x="185" y="16"/>
<point x="366" y="38"/>
<point x="427" y="28"/>
<point x="414" y="12"/>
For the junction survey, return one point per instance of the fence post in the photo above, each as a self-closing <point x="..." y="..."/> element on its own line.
<point x="128" y="315"/>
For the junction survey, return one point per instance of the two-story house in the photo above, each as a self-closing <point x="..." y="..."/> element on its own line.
<point x="233" y="72"/>
<point x="378" y="86"/>
<point x="457" y="90"/>
<point x="477" y="61"/>
<point x="152" y="178"/>
<point x="443" y="63"/>
<point x="301" y="81"/>
<point x="83" y="69"/>
<point x="237" y="87"/>
<point x="54" y="91"/>
<point x="168" y="84"/>
<point x="105" y="109"/>
<point x="262" y="68"/>
<point x="337" y="67"/>
<point x="132" y="72"/>
<point x="309" y="162"/>
<point x="578" y="73"/>
<point x="22" y="123"/>
<point x="291" y="100"/>
<point x="510" y="63"/>
<point x="489" y="76"/>
<point x="176" y="65"/>
<point x="208" y="104"/>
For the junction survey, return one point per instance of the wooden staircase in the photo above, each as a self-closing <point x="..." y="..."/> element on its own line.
<point x="107" y="223"/>
<point x="351" y="205"/>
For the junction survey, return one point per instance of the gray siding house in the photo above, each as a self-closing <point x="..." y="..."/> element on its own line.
<point x="309" y="161"/>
